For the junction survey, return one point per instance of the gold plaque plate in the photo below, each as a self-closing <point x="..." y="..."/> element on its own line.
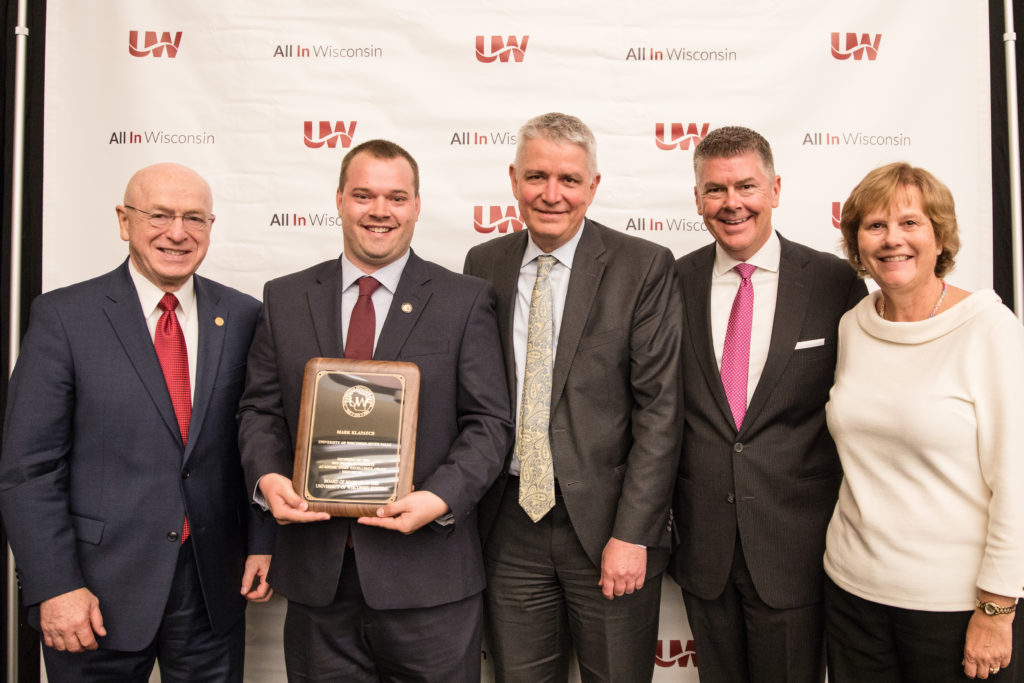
<point x="357" y="434"/>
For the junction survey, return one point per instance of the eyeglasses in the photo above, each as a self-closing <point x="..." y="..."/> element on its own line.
<point x="165" y="220"/>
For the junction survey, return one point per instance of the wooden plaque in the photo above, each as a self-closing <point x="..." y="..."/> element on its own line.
<point x="357" y="434"/>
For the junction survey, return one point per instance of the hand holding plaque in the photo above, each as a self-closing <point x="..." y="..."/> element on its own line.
<point x="356" y="435"/>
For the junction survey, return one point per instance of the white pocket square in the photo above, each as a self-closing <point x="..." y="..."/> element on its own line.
<point x="809" y="344"/>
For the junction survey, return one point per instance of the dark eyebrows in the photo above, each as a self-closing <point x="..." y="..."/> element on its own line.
<point x="710" y="185"/>
<point x="388" y="193"/>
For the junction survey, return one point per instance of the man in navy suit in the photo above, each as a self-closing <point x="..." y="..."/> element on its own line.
<point x="759" y="474"/>
<point x="126" y="509"/>
<point x="396" y="596"/>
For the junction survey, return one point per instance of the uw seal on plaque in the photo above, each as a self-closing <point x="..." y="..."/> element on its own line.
<point x="356" y="434"/>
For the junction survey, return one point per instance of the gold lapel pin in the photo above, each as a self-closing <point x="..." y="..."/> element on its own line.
<point x="218" y="321"/>
<point x="407" y="308"/>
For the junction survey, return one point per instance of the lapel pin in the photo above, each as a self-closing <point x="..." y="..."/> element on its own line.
<point x="406" y="308"/>
<point x="218" y="321"/>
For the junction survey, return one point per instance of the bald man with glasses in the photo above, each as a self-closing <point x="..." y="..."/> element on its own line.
<point x="121" y="487"/>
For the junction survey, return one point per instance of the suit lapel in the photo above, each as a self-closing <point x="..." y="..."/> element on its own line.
<point x="587" y="270"/>
<point x="211" y="342"/>
<point x="790" y="309"/>
<point x="697" y="281"/>
<point x="506" y="281"/>
<point x="124" y="312"/>
<point x="324" y="300"/>
<point x="407" y="305"/>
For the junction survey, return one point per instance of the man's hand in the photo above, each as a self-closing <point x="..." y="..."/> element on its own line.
<point x="71" y="621"/>
<point x="623" y="568"/>
<point x="408" y="513"/>
<point x="286" y="505"/>
<point x="256" y="568"/>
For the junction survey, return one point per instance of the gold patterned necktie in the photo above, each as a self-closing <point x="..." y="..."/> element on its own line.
<point x="536" y="472"/>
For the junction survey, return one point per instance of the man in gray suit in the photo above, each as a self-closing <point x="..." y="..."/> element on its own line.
<point x="759" y="474"/>
<point x="576" y="528"/>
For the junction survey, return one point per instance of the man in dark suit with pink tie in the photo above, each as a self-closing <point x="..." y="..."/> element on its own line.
<point x="759" y="474"/>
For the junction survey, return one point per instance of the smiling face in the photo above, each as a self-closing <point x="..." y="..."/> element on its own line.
<point x="897" y="245"/>
<point x="378" y="207"/>
<point x="168" y="256"/>
<point x="554" y="186"/>
<point x="735" y="196"/>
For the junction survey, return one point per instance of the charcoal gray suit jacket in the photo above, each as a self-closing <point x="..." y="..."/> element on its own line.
<point x="775" y="481"/>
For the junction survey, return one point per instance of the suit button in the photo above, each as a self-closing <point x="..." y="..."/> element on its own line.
<point x="185" y="474"/>
<point x="737" y="447"/>
<point x="172" y="536"/>
<point x="730" y="498"/>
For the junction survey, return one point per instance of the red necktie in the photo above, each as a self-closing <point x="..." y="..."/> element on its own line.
<point x="361" y="326"/>
<point x="736" y="349"/>
<point x="169" y="341"/>
<point x="363" y="323"/>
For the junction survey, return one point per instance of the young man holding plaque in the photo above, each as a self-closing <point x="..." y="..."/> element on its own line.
<point x="120" y="485"/>
<point x="398" y="595"/>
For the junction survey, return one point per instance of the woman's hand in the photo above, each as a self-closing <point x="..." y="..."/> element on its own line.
<point x="989" y="641"/>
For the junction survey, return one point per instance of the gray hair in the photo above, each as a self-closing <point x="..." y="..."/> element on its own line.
<point x="563" y="129"/>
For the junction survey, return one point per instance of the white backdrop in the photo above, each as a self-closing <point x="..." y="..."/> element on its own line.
<point x="264" y="97"/>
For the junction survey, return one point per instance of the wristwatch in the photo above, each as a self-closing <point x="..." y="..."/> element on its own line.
<point x="992" y="609"/>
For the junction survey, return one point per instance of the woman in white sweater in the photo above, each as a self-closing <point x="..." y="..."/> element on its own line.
<point x="925" y="550"/>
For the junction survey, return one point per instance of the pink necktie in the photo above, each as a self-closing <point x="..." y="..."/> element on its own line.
<point x="736" y="350"/>
<point x="362" y="323"/>
<point x="169" y="341"/>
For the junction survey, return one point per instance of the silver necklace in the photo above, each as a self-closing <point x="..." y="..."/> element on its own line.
<point x="942" y="295"/>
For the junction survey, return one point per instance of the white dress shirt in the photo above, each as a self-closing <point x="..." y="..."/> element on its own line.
<point x="186" y="312"/>
<point x="725" y="282"/>
<point x="388" y="277"/>
<point x="559" y="278"/>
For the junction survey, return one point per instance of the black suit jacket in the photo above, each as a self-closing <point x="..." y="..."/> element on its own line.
<point x="775" y="482"/>
<point x="94" y="476"/>
<point x="615" y="385"/>
<point x="462" y="434"/>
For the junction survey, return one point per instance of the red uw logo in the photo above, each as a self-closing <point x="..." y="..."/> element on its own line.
<point x="502" y="219"/>
<point x="856" y="47"/>
<point x="681" y="136"/>
<point x="837" y="211"/>
<point x="329" y="134"/>
<point x="501" y="49"/>
<point x="677" y="655"/>
<point x="154" y="45"/>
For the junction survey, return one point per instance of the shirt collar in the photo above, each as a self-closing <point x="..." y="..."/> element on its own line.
<point x="388" y="275"/>
<point x="150" y="294"/>
<point x="766" y="258"/>
<point x="563" y="254"/>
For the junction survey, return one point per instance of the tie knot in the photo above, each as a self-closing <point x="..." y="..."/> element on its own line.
<point x="745" y="270"/>
<point x="168" y="303"/>
<point x="545" y="262"/>
<point x="367" y="285"/>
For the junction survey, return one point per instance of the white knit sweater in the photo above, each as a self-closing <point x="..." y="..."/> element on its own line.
<point x="928" y="418"/>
